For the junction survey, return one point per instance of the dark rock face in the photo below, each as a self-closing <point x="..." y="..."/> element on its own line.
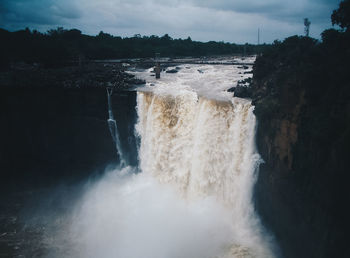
<point x="52" y="134"/>
<point x="171" y="71"/>
<point x="301" y="99"/>
<point x="89" y="75"/>
<point x="241" y="91"/>
<point x="124" y="111"/>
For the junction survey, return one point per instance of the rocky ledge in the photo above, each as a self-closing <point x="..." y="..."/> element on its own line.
<point x="89" y="75"/>
<point x="54" y="123"/>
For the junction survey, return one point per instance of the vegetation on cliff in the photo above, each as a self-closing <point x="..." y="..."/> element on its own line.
<point x="301" y="92"/>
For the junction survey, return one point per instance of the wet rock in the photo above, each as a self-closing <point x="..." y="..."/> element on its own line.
<point x="242" y="91"/>
<point x="172" y="71"/>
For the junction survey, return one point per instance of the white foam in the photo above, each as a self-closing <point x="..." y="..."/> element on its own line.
<point x="211" y="81"/>
<point x="205" y="148"/>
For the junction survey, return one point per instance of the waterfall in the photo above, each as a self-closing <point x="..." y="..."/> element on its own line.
<point x="193" y="197"/>
<point x="113" y="128"/>
<point x="205" y="148"/>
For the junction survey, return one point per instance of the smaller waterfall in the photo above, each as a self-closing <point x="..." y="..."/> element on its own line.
<point x="113" y="128"/>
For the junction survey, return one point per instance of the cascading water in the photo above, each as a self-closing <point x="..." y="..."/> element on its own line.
<point x="205" y="148"/>
<point x="113" y="128"/>
<point x="193" y="197"/>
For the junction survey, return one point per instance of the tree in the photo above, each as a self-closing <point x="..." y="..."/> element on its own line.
<point x="56" y="32"/>
<point x="166" y="37"/>
<point x="341" y="16"/>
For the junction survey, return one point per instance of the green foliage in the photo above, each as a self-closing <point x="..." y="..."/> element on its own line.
<point x="341" y="16"/>
<point x="318" y="69"/>
<point x="292" y="51"/>
<point x="59" y="46"/>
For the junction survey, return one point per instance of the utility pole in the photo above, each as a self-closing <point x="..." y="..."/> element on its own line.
<point x="157" y="68"/>
<point x="307" y="26"/>
<point x="258" y="36"/>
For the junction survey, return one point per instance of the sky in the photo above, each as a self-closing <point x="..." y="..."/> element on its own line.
<point x="236" y="21"/>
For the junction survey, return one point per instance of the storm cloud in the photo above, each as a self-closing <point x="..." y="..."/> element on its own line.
<point x="220" y="20"/>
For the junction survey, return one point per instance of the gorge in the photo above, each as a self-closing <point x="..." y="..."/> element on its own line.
<point x="238" y="150"/>
<point x="189" y="175"/>
<point x="192" y="190"/>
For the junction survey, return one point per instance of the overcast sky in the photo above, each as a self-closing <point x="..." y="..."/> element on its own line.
<point x="220" y="20"/>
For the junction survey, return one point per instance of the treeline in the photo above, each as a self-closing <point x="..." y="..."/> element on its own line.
<point x="321" y="68"/>
<point x="59" y="46"/>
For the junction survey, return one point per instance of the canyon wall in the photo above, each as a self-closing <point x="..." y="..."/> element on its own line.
<point x="301" y="96"/>
<point x="53" y="134"/>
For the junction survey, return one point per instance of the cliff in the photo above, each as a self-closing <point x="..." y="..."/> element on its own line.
<point x="50" y="134"/>
<point x="301" y="92"/>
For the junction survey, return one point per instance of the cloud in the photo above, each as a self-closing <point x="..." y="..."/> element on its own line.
<point x="21" y="13"/>
<point x="234" y="21"/>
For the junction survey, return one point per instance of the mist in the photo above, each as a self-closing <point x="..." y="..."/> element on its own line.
<point x="124" y="214"/>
